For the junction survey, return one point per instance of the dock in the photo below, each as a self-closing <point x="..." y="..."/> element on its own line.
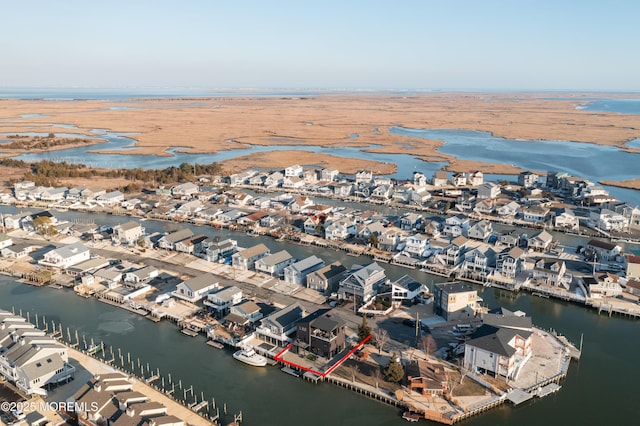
<point x="189" y="333"/>
<point x="291" y="371"/>
<point x="547" y="390"/>
<point x="215" y="344"/>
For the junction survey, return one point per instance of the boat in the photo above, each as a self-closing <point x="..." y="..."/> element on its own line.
<point x="411" y="416"/>
<point x="249" y="356"/>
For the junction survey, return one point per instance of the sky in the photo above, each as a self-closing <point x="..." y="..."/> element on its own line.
<point x="322" y="44"/>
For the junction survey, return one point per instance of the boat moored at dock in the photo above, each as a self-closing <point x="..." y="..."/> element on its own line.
<point x="249" y="356"/>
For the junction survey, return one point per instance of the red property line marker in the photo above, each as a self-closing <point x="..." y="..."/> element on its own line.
<point x="317" y="373"/>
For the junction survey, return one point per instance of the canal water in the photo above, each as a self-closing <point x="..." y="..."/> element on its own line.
<point x="600" y="389"/>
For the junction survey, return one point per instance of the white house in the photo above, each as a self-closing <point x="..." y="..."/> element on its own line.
<point x="294" y="171"/>
<point x="566" y="219"/>
<point x="455" y="226"/>
<point x="141" y="275"/>
<point x="196" y="288"/>
<point x="340" y="229"/>
<point x="222" y="300"/>
<point x="186" y="189"/>
<point x="497" y="351"/>
<point x="417" y="245"/>
<point x="127" y="233"/>
<point x="297" y="273"/>
<point x="406" y="290"/>
<point x="362" y="282"/>
<point x="480" y="230"/>
<point x="111" y="198"/>
<point x="246" y="259"/>
<point x="509" y="210"/>
<point x="66" y="256"/>
<point x="488" y="190"/>
<point x="275" y="263"/>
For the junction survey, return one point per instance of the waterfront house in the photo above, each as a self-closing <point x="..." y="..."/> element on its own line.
<point x="478" y="262"/>
<point x="527" y="179"/>
<point x="426" y="378"/>
<point x="242" y="178"/>
<point x="90" y="193"/>
<point x="602" y="251"/>
<point x="498" y="351"/>
<point x="455" y="226"/>
<point x="21" y="189"/>
<point x="565" y="219"/>
<point x="459" y="179"/>
<point x="488" y="191"/>
<point x="279" y="327"/>
<point x="140" y="276"/>
<point x="314" y="225"/>
<point x="262" y="202"/>
<point x="54" y="194"/>
<point x="343" y="189"/>
<point x="184" y="190"/>
<point x="127" y="233"/>
<point x="321" y="333"/>
<point x="30" y="359"/>
<point x="188" y="209"/>
<point x="540" y="241"/>
<point x="243" y="199"/>
<point x="110" y="198"/>
<point x="220" y="302"/>
<point x="365" y="232"/>
<point x="608" y="220"/>
<point x="417" y="246"/>
<point x="293" y="182"/>
<point x="217" y="247"/>
<point x="329" y="174"/>
<point x="535" y="214"/>
<point x="5" y="240"/>
<point x="411" y="222"/>
<point x="194" y="289"/>
<point x="168" y="242"/>
<point x="340" y="229"/>
<point x="295" y="170"/>
<point x="245" y="313"/>
<point x="258" y="179"/>
<point x="17" y="251"/>
<point x="480" y="230"/>
<point x="633" y="266"/>
<point x="420" y="196"/>
<point x="296" y="273"/>
<point x="511" y="209"/>
<point x="246" y="259"/>
<point x="209" y="214"/>
<point x="364" y="177"/>
<point x="510" y="262"/>
<point x="440" y="179"/>
<point x="453" y="253"/>
<point x="252" y="219"/>
<point x="604" y="285"/>
<point x="300" y="204"/>
<point x="310" y="176"/>
<point x="382" y="193"/>
<point x="65" y="256"/>
<point x="14" y="221"/>
<point x="88" y="267"/>
<point x="485" y="207"/>
<point x="274" y="180"/>
<point x="551" y="272"/>
<point x="465" y="202"/>
<point x="272" y="221"/>
<point x="362" y="283"/>
<point x="419" y="179"/>
<point x="275" y="263"/>
<point x="633" y="287"/>
<point x="192" y="245"/>
<point x="392" y="239"/>
<point x="110" y="277"/>
<point x="455" y="301"/>
<point x="406" y="290"/>
<point x="476" y="178"/>
<point x="230" y="216"/>
<point x="326" y="279"/>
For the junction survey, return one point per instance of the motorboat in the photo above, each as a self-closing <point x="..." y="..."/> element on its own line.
<point x="249" y="356"/>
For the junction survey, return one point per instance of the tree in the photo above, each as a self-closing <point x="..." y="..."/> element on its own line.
<point x="428" y="344"/>
<point x="364" y="329"/>
<point x="382" y="338"/>
<point x="43" y="226"/>
<point x="374" y="241"/>
<point x="394" y="371"/>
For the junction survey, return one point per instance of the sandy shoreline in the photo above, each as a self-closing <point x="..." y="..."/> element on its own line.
<point x="210" y="125"/>
<point x="627" y="184"/>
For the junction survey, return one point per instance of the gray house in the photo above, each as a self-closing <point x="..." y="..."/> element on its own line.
<point x="297" y="272"/>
